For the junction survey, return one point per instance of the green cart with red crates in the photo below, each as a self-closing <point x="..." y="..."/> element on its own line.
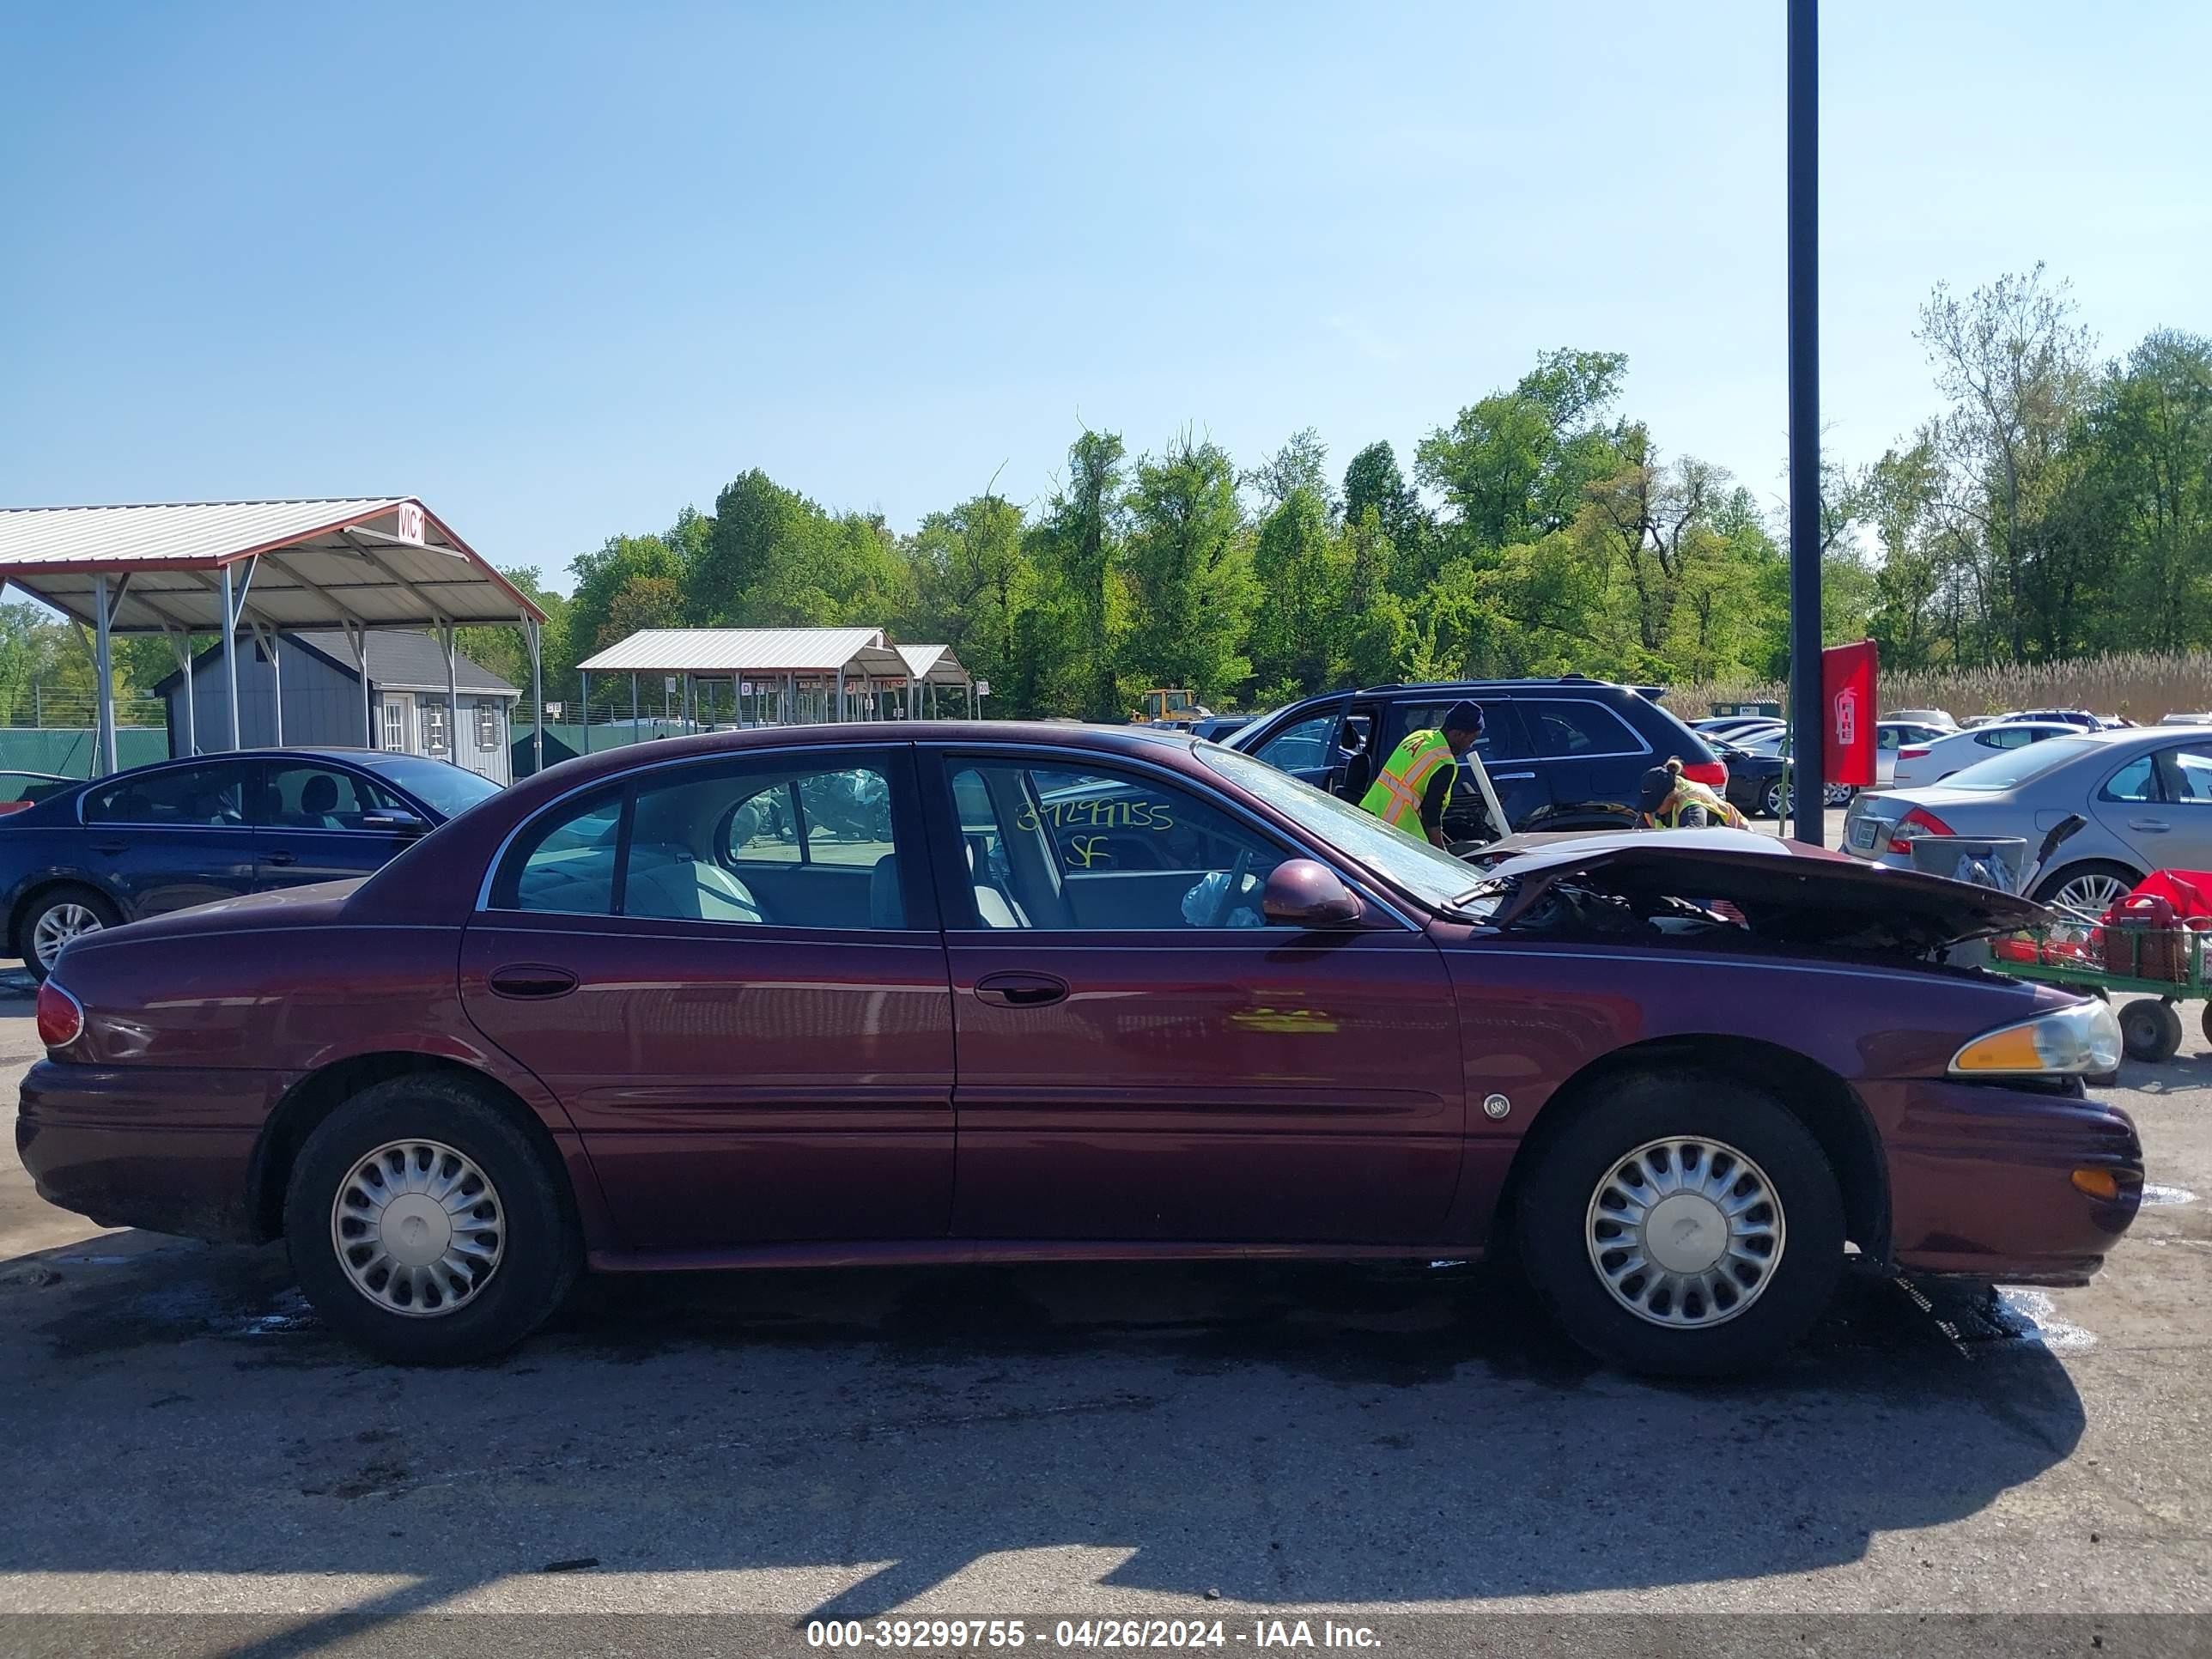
<point x="2149" y="946"/>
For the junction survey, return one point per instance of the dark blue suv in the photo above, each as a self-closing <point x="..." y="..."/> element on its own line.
<point x="159" y="838"/>
<point x="1562" y="753"/>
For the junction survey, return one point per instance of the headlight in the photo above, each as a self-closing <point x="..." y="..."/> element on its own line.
<point x="2080" y="1040"/>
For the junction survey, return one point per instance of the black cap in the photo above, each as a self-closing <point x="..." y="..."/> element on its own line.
<point x="1658" y="784"/>
<point x="1464" y="717"/>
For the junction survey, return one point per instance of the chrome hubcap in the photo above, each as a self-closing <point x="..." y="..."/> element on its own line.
<point x="58" y="927"/>
<point x="2096" y="894"/>
<point x="1684" y="1232"/>
<point x="418" y="1228"/>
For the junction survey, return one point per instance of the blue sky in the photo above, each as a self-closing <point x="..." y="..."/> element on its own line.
<point x="560" y="270"/>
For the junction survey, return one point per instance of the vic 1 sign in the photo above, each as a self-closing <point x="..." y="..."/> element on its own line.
<point x="410" y="527"/>
<point x="1847" y="696"/>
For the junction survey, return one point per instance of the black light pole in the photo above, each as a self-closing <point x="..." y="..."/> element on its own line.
<point x="1807" y="712"/>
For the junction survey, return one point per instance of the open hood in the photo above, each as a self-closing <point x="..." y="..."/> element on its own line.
<point x="1786" y="892"/>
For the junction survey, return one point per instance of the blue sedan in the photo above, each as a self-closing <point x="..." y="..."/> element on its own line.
<point x="164" y="837"/>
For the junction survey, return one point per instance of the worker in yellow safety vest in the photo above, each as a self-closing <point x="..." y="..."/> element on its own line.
<point x="1670" y="801"/>
<point x="1415" y="784"/>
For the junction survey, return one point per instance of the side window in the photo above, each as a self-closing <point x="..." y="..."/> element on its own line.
<point x="1089" y="849"/>
<point x="434" y="728"/>
<point x="186" y="797"/>
<point x="1577" y="729"/>
<point x="1888" y="739"/>
<point x="319" y="798"/>
<point x="564" y="864"/>
<point x="2136" y="780"/>
<point x="2189" y="773"/>
<point x="487" y="725"/>
<point x="1306" y="746"/>
<point x="395" y="725"/>
<point x="765" y="846"/>
<point x="1501" y="732"/>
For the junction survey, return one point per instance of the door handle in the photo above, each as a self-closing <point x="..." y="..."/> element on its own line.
<point x="2150" y="826"/>
<point x="531" y="981"/>
<point x="111" y="848"/>
<point x="1021" y="990"/>
<point x="1509" y="777"/>
<point x="280" y="856"/>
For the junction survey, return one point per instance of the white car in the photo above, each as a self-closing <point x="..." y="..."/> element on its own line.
<point x="1931" y="762"/>
<point x="1890" y="736"/>
<point x="1923" y="717"/>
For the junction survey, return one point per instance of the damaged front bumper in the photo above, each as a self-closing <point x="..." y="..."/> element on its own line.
<point x="1982" y="1179"/>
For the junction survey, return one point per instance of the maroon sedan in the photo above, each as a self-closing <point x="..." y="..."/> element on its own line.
<point x="1002" y="993"/>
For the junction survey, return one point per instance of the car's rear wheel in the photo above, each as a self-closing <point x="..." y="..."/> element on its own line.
<point x="424" y="1225"/>
<point x="1771" y="802"/>
<point x="58" y="916"/>
<point x="2092" y="887"/>
<point x="1682" y="1225"/>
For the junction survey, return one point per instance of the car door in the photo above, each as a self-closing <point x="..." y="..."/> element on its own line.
<point x="170" y="837"/>
<point x="1503" y="750"/>
<point x="2162" y="811"/>
<point x="318" y="821"/>
<point x="1309" y="748"/>
<point x="1589" y="761"/>
<point x="1142" y="1056"/>
<point x="743" y="1009"/>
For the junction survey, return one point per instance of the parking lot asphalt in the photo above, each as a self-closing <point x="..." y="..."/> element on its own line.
<point x="185" y="1437"/>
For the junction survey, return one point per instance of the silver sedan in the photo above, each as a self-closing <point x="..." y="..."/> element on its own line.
<point x="2146" y="794"/>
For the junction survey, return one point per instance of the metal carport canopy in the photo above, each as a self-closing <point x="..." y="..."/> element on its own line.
<point x="718" y="652"/>
<point x="357" y="564"/>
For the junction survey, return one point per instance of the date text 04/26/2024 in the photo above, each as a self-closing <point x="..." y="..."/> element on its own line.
<point x="957" y="1634"/>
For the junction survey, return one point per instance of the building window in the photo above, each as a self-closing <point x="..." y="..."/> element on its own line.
<point x="395" y="725"/>
<point x="434" y="728"/>
<point x="487" y="725"/>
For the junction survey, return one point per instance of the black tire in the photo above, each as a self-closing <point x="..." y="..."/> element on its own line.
<point x="2150" y="1030"/>
<point x="51" y="900"/>
<point x="2204" y="1021"/>
<point x="2047" y="890"/>
<point x="1556" y="1199"/>
<point x="542" y="1245"/>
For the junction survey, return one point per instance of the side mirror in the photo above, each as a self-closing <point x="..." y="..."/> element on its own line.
<point x="395" y="821"/>
<point x="1301" y="893"/>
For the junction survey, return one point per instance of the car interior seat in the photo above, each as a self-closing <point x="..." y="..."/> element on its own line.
<point x="318" y="802"/>
<point x="668" y="882"/>
<point x="886" y="906"/>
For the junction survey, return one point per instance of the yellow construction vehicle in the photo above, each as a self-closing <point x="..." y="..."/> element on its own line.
<point x="1169" y="707"/>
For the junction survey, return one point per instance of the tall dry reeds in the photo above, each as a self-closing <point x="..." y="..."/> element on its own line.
<point x="2141" y="685"/>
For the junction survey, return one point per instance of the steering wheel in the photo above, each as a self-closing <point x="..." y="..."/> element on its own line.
<point x="1228" y="902"/>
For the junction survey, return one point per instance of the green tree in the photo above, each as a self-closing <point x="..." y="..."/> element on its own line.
<point x="1081" y="546"/>
<point x="1373" y="483"/>
<point x="1189" y="572"/>
<point x="2016" y="366"/>
<point x="1516" y="465"/>
<point x="1304" y="575"/>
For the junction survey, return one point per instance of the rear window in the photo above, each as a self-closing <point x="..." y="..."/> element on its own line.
<point x="182" y="796"/>
<point x="2009" y="771"/>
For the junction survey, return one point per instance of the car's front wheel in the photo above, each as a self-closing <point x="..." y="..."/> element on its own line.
<point x="1682" y="1225"/>
<point x="55" y="919"/>
<point x="424" y="1225"/>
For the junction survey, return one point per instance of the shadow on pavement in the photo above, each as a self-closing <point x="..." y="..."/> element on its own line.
<point x="1275" y="1433"/>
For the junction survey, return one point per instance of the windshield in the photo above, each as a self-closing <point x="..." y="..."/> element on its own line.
<point x="1428" y="873"/>
<point x="447" y="790"/>
<point x="2016" y="766"/>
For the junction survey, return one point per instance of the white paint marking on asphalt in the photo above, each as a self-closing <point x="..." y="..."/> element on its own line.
<point x="2153" y="1194"/>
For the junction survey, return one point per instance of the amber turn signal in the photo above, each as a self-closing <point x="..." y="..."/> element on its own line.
<point x="2097" y="1183"/>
